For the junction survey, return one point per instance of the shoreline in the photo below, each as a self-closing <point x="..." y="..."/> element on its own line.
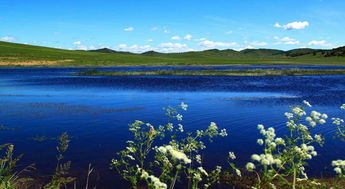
<point x="234" y="72"/>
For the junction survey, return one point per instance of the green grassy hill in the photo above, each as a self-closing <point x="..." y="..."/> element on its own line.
<point x="13" y="54"/>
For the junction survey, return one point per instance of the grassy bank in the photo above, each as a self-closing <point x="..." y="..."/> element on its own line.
<point x="251" y="72"/>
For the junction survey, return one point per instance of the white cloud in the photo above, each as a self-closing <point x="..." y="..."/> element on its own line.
<point x="319" y="43"/>
<point x="293" y="25"/>
<point x="122" y="46"/>
<point x="286" y="41"/>
<point x="188" y="37"/>
<point x="202" y="39"/>
<point x="175" y="37"/>
<point x="134" y="48"/>
<point x="173" y="47"/>
<point x="129" y="29"/>
<point x="215" y="44"/>
<point x="228" y="32"/>
<point x="7" y="38"/>
<point x="82" y="47"/>
<point x="259" y="43"/>
<point x="154" y="28"/>
<point x="77" y="43"/>
<point x="165" y="30"/>
<point x="149" y="40"/>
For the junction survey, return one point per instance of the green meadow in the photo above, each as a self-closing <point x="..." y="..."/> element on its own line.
<point x="13" y="54"/>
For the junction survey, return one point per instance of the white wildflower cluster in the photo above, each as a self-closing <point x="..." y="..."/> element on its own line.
<point x="266" y="159"/>
<point x="270" y="139"/>
<point x="184" y="106"/>
<point x="223" y="133"/>
<point x="175" y="153"/>
<point x="179" y="117"/>
<point x="289" y="115"/>
<point x="339" y="166"/>
<point x="337" y="121"/>
<point x="180" y="127"/>
<point x="232" y="155"/>
<point x="154" y="181"/>
<point x="250" y="166"/>
<point x="318" y="138"/>
<point x="306" y="103"/>
<point x="316" y="117"/>
<point x="305" y="151"/>
<point x="134" y="127"/>
<point x="213" y="126"/>
<point x="298" y="111"/>
<point x="202" y="171"/>
<point x="342" y="107"/>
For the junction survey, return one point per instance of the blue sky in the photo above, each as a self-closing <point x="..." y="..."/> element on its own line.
<point x="174" y="26"/>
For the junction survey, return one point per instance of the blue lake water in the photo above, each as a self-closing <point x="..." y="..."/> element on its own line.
<point x="96" y="111"/>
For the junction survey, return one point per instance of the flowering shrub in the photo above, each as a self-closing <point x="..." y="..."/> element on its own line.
<point x="161" y="165"/>
<point x="285" y="158"/>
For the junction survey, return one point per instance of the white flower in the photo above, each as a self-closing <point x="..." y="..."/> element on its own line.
<point x="260" y="127"/>
<point x="280" y="141"/>
<point x="238" y="172"/>
<point x="298" y="111"/>
<point x="324" y="116"/>
<point x="322" y="121"/>
<point x="288" y="115"/>
<point x="213" y="126"/>
<point x="174" y="153"/>
<point x="180" y="128"/>
<point x="232" y="155"/>
<point x="131" y="157"/>
<point x="337" y="121"/>
<point x="183" y="106"/>
<point x="308" y="119"/>
<point x="306" y="103"/>
<point x="312" y="123"/>
<point x="256" y="157"/>
<point x="337" y="170"/>
<point x="342" y="107"/>
<point x="202" y="170"/>
<point x="152" y="179"/>
<point x="223" y="133"/>
<point x="179" y="117"/>
<point x="260" y="141"/>
<point x="250" y="166"/>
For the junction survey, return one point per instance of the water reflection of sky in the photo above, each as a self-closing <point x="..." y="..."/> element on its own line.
<point x="97" y="110"/>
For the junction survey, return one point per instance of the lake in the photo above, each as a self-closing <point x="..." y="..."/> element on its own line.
<point x="96" y="111"/>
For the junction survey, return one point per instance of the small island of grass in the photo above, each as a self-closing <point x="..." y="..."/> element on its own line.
<point x="230" y="72"/>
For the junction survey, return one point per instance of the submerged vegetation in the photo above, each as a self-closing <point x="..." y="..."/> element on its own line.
<point x="232" y="72"/>
<point x="169" y="156"/>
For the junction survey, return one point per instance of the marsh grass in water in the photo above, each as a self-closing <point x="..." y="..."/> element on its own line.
<point x="232" y="72"/>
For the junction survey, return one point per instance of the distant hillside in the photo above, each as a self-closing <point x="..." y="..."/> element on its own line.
<point x="340" y="51"/>
<point x="301" y="51"/>
<point x="240" y="54"/>
<point x="106" y="50"/>
<point x="14" y="54"/>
